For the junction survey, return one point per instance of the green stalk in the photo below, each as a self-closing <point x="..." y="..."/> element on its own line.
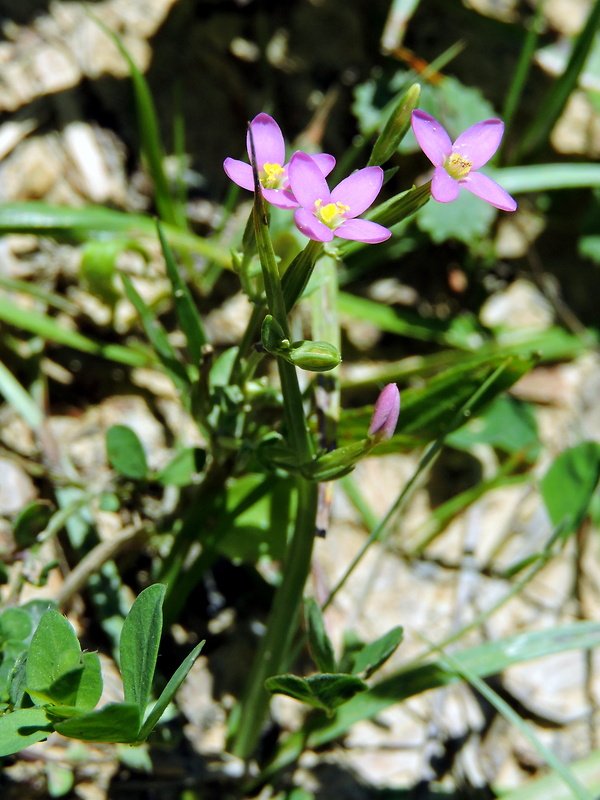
<point x="283" y="619"/>
<point x="281" y="626"/>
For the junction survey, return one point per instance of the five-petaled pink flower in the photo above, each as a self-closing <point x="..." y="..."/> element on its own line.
<point x="269" y="149"/>
<point x="324" y="214"/>
<point x="456" y="164"/>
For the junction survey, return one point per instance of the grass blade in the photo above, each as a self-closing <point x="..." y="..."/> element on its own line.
<point x="579" y="791"/>
<point x="169" y="691"/>
<point x="19" y="399"/>
<point x="543" y="177"/>
<point x="49" y="329"/>
<point x="150" y="141"/>
<point x="556" y="99"/>
<point x="158" y="337"/>
<point x="551" y="787"/>
<point x="81" y="224"/>
<point x="185" y="308"/>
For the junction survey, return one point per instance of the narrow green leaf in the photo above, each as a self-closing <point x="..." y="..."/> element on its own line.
<point x="20" y="400"/>
<point x="504" y="708"/>
<point x="158" y="337"/>
<point x="114" y="722"/>
<point x="374" y="655"/>
<point x="185" y="308"/>
<point x="433" y="411"/>
<point x="318" y="640"/>
<point x="168" y="693"/>
<point x="125" y="452"/>
<point x="81" y="224"/>
<point x="148" y="129"/>
<point x="555" y="101"/>
<point x="402" y="322"/>
<point x="48" y="328"/>
<point x="140" y="639"/>
<point x="545" y="177"/>
<point x="569" y="484"/>
<point x="326" y="692"/>
<point x="297" y="275"/>
<point x="552" y="787"/>
<point x="21" y="728"/>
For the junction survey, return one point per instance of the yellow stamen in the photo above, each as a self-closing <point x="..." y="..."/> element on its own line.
<point x="273" y="173"/>
<point x="458" y="166"/>
<point x="331" y="214"/>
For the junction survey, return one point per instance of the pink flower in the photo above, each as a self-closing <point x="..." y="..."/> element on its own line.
<point x="385" y="414"/>
<point x="269" y="148"/>
<point x="456" y="164"/>
<point x="324" y="214"/>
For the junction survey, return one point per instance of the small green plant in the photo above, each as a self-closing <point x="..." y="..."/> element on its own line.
<point x="48" y="684"/>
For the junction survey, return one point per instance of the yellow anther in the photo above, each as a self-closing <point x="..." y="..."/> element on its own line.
<point x="458" y="166"/>
<point x="328" y="213"/>
<point x="273" y="173"/>
<point x="331" y="214"/>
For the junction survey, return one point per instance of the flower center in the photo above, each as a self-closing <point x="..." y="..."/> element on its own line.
<point x="332" y="214"/>
<point x="273" y="175"/>
<point x="457" y="166"/>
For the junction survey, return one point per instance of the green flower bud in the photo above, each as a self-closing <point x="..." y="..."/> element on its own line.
<point x="313" y="356"/>
<point x="396" y="127"/>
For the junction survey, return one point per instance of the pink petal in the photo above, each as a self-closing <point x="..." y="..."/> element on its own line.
<point x="268" y="141"/>
<point x="307" y="182"/>
<point x="444" y="189"/>
<point x="479" y="142"/>
<point x="280" y="198"/>
<point x="489" y="190"/>
<point x="362" y="230"/>
<point x="358" y="190"/>
<point x="240" y="173"/>
<point x="324" y="161"/>
<point x="310" y="226"/>
<point x="431" y="136"/>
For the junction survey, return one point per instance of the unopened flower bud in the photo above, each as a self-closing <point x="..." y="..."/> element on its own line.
<point x="385" y="414"/>
<point x="396" y="126"/>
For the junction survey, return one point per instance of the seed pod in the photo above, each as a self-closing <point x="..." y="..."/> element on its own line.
<point x="313" y="356"/>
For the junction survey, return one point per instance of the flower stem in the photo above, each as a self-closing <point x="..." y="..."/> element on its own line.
<point x="283" y="619"/>
<point x="281" y="626"/>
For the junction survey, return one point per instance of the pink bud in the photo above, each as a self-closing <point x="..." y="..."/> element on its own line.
<point x="385" y="414"/>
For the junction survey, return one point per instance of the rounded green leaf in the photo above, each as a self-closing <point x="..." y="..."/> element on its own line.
<point x="125" y="452"/>
<point x="30" y="522"/>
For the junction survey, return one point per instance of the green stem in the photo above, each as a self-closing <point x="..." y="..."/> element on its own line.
<point x="282" y="623"/>
<point x="283" y="619"/>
